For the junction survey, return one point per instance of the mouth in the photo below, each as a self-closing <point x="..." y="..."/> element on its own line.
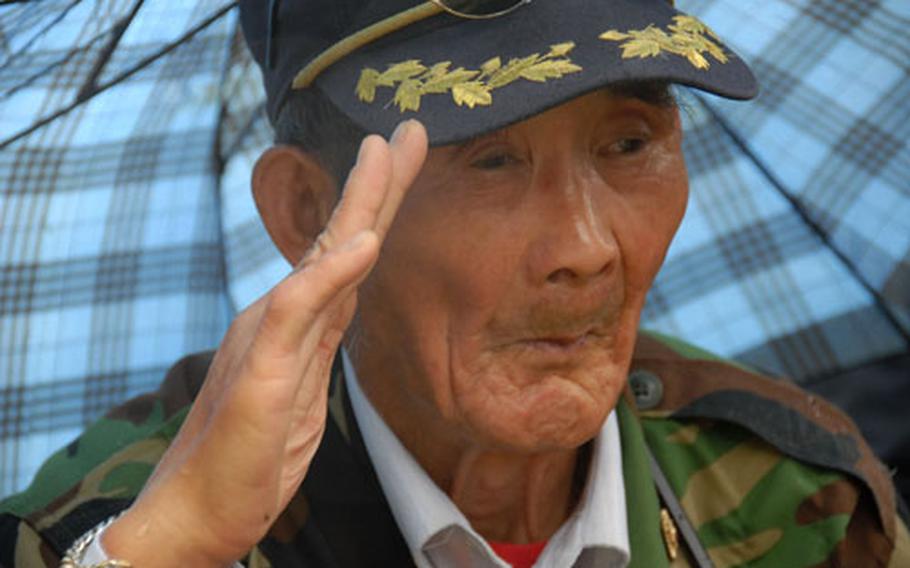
<point x="561" y="344"/>
<point x="564" y="342"/>
<point x="559" y="334"/>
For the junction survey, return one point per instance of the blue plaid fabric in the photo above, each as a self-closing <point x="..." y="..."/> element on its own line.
<point x="111" y="262"/>
<point x="824" y="145"/>
<point x="128" y="235"/>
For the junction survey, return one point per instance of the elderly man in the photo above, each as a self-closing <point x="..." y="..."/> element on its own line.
<point x="442" y="379"/>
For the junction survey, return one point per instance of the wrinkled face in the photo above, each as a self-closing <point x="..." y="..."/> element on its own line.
<point x="506" y="299"/>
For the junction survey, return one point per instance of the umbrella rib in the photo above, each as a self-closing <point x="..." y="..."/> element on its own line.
<point x="91" y="82"/>
<point x="740" y="142"/>
<point x="56" y="20"/>
<point x="257" y="114"/>
<point x="220" y="155"/>
<point x="142" y="64"/>
<point x="219" y="164"/>
<point x="28" y="81"/>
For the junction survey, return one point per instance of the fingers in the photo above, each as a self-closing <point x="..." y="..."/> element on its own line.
<point x="292" y="318"/>
<point x="362" y="197"/>
<point x="376" y="185"/>
<point x="409" y="148"/>
<point x="295" y="304"/>
<point x="270" y="373"/>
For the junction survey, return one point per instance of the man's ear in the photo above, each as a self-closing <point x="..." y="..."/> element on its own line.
<point x="294" y="195"/>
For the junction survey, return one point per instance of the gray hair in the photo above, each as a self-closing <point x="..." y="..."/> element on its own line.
<point x="309" y="120"/>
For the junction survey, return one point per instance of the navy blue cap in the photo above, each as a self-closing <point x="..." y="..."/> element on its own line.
<point x="382" y="61"/>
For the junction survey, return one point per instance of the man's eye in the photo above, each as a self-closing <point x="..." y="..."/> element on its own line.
<point x="494" y="161"/>
<point x="627" y="146"/>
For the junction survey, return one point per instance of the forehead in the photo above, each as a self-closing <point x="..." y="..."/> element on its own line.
<point x="633" y="97"/>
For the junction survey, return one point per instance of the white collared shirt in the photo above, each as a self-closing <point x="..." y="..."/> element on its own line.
<point x="439" y="535"/>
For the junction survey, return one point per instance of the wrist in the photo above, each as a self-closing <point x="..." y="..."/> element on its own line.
<point x="154" y="540"/>
<point x="85" y="552"/>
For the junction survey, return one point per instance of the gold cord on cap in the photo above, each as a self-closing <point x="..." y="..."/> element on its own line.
<point x="308" y="74"/>
<point x="454" y="11"/>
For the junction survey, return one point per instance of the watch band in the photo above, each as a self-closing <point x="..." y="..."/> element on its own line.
<point x="76" y="553"/>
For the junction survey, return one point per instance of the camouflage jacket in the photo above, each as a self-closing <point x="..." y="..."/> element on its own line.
<point x="767" y="475"/>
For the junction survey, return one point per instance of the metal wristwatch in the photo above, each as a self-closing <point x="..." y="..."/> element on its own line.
<point x="74" y="556"/>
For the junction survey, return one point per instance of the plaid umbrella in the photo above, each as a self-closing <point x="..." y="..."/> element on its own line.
<point x="110" y="239"/>
<point x="128" y="235"/>
<point x="795" y="253"/>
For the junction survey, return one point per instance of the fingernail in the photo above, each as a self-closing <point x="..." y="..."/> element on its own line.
<point x="401" y="132"/>
<point x="361" y="151"/>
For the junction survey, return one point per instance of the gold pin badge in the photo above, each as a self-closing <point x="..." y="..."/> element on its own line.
<point x="671" y="539"/>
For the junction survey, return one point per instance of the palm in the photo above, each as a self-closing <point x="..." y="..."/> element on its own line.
<point x="255" y="426"/>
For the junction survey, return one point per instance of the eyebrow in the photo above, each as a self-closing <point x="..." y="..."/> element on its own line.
<point x="655" y="93"/>
<point x="495" y="135"/>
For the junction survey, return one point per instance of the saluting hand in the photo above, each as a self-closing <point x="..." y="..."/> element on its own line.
<point x="251" y="434"/>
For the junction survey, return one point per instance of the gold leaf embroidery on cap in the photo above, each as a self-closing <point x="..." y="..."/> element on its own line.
<point x="688" y="37"/>
<point x="471" y="88"/>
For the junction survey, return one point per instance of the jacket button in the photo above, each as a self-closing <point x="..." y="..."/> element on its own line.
<point x="647" y="388"/>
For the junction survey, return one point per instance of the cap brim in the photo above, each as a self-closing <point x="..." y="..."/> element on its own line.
<point x="378" y="102"/>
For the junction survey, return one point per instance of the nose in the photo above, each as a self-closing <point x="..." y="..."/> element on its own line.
<point x="575" y="243"/>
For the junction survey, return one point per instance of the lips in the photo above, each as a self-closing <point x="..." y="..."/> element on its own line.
<point x="556" y="328"/>
<point x="557" y="353"/>
<point x="561" y="343"/>
<point x="565" y="341"/>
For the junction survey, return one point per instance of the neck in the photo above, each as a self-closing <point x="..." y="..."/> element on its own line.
<point x="507" y="496"/>
<point x="512" y="497"/>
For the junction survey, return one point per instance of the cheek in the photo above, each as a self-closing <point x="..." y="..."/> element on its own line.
<point x="438" y="284"/>
<point x="468" y="273"/>
<point x="650" y="217"/>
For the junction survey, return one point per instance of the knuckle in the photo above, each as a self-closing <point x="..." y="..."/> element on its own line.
<point x="315" y="251"/>
<point x="291" y="298"/>
<point x="280" y="299"/>
<point x="323" y="242"/>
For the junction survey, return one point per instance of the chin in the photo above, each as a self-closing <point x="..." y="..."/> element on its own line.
<point x="554" y="412"/>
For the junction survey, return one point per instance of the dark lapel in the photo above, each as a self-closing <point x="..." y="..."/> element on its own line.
<point x="340" y="517"/>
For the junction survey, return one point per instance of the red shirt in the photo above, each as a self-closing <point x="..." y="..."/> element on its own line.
<point x="518" y="555"/>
